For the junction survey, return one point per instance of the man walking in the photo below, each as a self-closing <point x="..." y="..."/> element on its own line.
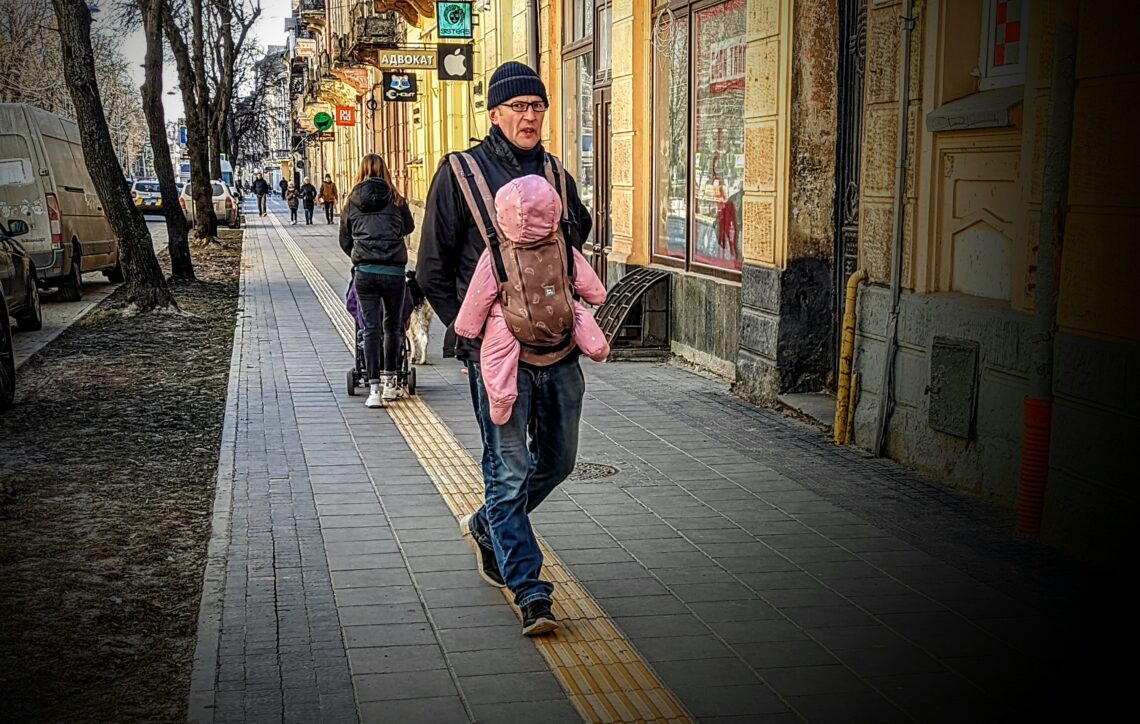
<point x="261" y="191"/>
<point x="284" y="186"/>
<point x="526" y="458"/>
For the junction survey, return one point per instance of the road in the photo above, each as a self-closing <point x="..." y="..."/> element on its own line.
<point x="59" y="315"/>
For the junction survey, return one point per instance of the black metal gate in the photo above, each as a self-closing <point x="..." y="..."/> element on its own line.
<point x="852" y="59"/>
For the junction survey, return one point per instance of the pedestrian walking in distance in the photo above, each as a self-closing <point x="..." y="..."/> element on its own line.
<point x="261" y="191"/>
<point x="284" y="186"/>
<point x="293" y="200"/>
<point x="534" y="451"/>
<point x="329" y="197"/>
<point x="373" y="225"/>
<point x="308" y="199"/>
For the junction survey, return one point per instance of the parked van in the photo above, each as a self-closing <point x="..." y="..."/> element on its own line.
<point x="44" y="182"/>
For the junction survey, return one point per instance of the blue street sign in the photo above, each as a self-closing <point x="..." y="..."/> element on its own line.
<point x="182" y="135"/>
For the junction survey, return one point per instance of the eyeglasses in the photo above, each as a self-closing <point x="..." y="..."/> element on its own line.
<point x="522" y="106"/>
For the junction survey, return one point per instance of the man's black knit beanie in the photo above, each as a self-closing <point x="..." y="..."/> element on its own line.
<point x="513" y="79"/>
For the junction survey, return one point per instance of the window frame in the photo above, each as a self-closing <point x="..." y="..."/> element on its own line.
<point x="687" y="9"/>
<point x="1004" y="76"/>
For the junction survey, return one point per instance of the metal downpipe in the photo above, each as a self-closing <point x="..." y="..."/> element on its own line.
<point x="532" y="53"/>
<point x="1038" y="405"/>
<point x="886" y="405"/>
<point x="846" y="391"/>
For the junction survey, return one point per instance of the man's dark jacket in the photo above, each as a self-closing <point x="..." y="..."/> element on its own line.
<point x="260" y="187"/>
<point x="308" y="195"/>
<point x="372" y="228"/>
<point x="450" y="242"/>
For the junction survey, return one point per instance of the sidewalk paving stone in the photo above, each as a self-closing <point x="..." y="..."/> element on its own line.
<point x="764" y="573"/>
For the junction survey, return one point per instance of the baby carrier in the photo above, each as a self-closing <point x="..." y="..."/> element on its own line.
<point x="535" y="279"/>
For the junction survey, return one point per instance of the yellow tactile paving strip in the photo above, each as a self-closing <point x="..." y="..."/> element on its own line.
<point x="607" y="679"/>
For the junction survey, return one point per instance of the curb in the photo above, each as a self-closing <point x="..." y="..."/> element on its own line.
<point x="202" y="680"/>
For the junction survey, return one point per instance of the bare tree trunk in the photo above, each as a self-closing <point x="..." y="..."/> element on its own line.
<point x="207" y="221"/>
<point x="146" y="287"/>
<point x="181" y="266"/>
<point x="197" y="136"/>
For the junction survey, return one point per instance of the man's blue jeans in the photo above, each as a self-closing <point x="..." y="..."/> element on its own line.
<point x="523" y="461"/>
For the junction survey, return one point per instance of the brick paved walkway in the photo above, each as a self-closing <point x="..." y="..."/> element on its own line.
<point x="764" y="574"/>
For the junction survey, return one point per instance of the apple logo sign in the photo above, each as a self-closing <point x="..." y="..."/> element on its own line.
<point x="456" y="63"/>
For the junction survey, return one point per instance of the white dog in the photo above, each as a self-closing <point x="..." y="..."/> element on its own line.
<point x="420" y="323"/>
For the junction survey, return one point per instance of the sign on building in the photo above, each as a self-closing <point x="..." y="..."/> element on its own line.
<point x="323" y="121"/>
<point x="456" y="62"/>
<point x="400" y="87"/>
<point x="454" y="19"/>
<point x="346" y="115"/>
<point x="322" y="136"/>
<point x="400" y="59"/>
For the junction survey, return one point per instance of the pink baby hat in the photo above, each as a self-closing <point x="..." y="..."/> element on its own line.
<point x="528" y="209"/>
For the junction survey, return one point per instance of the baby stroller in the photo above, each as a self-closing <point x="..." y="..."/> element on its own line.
<point x="405" y="374"/>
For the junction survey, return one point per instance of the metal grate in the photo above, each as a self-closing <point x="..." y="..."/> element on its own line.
<point x="592" y="471"/>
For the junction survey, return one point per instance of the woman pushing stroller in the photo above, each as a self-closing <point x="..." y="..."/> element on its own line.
<point x="373" y="225"/>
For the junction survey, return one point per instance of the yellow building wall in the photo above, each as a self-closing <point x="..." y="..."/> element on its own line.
<point x="767" y="127"/>
<point x="1101" y="253"/>
<point x="631" y="142"/>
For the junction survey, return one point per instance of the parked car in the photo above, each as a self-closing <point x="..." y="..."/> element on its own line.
<point x="18" y="278"/>
<point x="147" y="195"/>
<point x="44" y="182"/>
<point x="19" y="297"/>
<point x="226" y="206"/>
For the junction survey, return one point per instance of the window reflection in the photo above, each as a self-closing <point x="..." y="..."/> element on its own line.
<point x="578" y="145"/>
<point x="671" y="138"/>
<point x="718" y="161"/>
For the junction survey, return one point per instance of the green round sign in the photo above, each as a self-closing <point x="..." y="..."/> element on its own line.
<point x="323" y="121"/>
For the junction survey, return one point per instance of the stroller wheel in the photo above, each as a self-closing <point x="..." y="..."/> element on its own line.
<point x="412" y="381"/>
<point x="351" y="383"/>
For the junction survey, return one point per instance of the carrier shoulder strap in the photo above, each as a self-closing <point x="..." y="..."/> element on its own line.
<point x="556" y="177"/>
<point x="477" y="194"/>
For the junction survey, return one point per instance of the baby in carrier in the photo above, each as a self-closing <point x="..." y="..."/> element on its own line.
<point x="528" y="211"/>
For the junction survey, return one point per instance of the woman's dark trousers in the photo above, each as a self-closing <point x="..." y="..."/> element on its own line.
<point x="329" y="211"/>
<point x="382" y="306"/>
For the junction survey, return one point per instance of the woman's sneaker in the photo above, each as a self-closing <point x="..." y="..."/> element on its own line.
<point x="391" y="390"/>
<point x="537" y="618"/>
<point x="374" y="400"/>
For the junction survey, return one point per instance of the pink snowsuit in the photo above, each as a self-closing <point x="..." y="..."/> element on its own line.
<point x="528" y="209"/>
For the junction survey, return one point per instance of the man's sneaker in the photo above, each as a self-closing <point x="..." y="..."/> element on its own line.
<point x="537" y="618"/>
<point x="373" y="400"/>
<point x="485" y="561"/>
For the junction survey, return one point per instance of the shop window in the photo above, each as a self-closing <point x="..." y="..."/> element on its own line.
<point x="1002" y="57"/>
<point x="699" y="136"/>
<point x="671" y="137"/>
<point x="578" y="140"/>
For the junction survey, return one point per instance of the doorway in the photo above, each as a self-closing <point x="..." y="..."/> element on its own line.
<point x="852" y="60"/>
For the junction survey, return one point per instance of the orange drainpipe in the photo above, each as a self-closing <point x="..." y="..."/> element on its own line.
<point x="843" y="395"/>
<point x="1034" y="465"/>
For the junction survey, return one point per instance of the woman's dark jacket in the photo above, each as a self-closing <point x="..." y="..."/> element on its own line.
<point x="372" y="228"/>
<point x="308" y="195"/>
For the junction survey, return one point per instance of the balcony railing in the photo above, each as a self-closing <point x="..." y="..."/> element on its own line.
<point x="312" y="6"/>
